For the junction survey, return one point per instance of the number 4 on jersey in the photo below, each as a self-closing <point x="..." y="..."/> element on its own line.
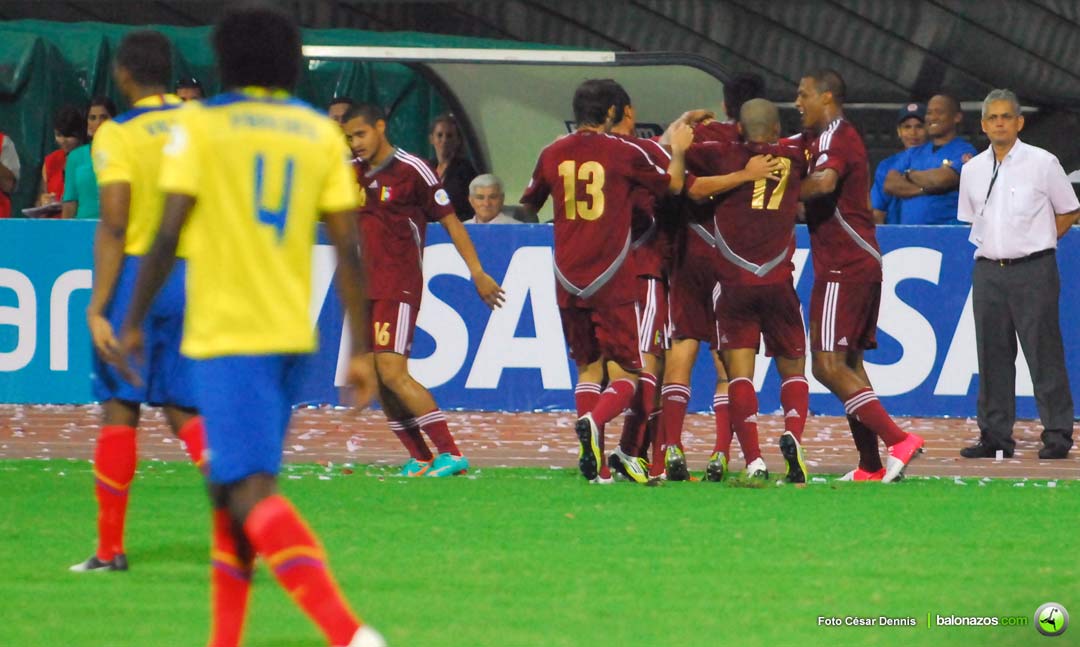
<point x="275" y="217"/>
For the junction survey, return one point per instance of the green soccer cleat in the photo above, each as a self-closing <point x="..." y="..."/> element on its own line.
<point x="632" y="467"/>
<point x="448" y="465"/>
<point x="675" y="464"/>
<point x="716" y="470"/>
<point x="589" y="456"/>
<point x="795" y="458"/>
<point x="415" y="468"/>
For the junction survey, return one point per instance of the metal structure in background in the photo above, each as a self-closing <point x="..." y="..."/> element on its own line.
<point x="890" y="52"/>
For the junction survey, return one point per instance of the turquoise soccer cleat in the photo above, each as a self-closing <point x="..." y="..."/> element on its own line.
<point x="448" y="465"/>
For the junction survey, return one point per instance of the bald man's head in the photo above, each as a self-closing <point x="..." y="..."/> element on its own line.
<point x="760" y="120"/>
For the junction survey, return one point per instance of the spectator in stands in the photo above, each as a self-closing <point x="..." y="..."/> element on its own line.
<point x="80" y="183"/>
<point x="189" y="89"/>
<point x="69" y="130"/>
<point x="911" y="130"/>
<point x="926" y="178"/>
<point x="454" y="169"/>
<point x="338" y="107"/>
<point x="486" y="197"/>
<point x="1019" y="203"/>
<point x="9" y="173"/>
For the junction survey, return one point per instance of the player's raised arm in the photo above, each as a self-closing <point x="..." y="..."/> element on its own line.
<point x="681" y="138"/>
<point x="488" y="289"/>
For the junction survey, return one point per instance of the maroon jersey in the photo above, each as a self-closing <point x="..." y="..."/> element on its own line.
<point x="842" y="239"/>
<point x="592" y="177"/>
<point x="716" y="131"/>
<point x="651" y="246"/>
<point x="754" y="223"/>
<point x="401" y="196"/>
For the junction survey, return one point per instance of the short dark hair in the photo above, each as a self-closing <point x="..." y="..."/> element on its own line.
<point x="336" y="100"/>
<point x="594" y="97"/>
<point x="257" y="46"/>
<point x="953" y="103"/>
<point x="104" y="102"/>
<point x="370" y="113"/>
<point x="147" y="56"/>
<point x="445" y="118"/>
<point x="189" y="82"/>
<point x="829" y="80"/>
<point x="741" y="89"/>
<point x="69" y="121"/>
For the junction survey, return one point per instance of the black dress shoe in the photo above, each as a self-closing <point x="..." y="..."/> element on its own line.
<point x="1052" y="452"/>
<point x="983" y="450"/>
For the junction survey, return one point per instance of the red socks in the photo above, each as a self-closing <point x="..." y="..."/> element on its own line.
<point x="408" y="432"/>
<point x="744" y="409"/>
<point x="230" y="582"/>
<point x="867" y="444"/>
<point x="865" y="407"/>
<point x="433" y="423"/>
<point x="193" y="435"/>
<point x="795" y="400"/>
<point x="280" y="536"/>
<point x="674" y="400"/>
<point x="641" y="408"/>
<point x="723" y="424"/>
<point x="114" y="469"/>
<point x="615" y="398"/>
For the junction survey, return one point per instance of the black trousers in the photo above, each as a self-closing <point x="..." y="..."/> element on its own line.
<point x="1020" y="301"/>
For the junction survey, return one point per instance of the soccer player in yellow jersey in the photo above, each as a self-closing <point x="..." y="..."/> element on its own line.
<point x="246" y="176"/>
<point x="127" y="157"/>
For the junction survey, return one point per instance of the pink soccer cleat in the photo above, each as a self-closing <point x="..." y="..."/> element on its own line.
<point x="900" y="456"/>
<point x="859" y="474"/>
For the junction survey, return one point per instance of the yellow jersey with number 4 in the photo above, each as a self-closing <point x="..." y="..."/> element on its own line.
<point x="262" y="167"/>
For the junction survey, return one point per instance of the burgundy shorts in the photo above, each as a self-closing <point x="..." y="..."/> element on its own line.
<point x="392" y="326"/>
<point x="843" y="316"/>
<point x="746" y="313"/>
<point x="654" y="327"/>
<point x="693" y="292"/>
<point x="609" y="332"/>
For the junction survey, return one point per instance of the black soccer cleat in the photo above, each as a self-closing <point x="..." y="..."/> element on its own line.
<point x="794" y="457"/>
<point x="589" y="447"/>
<point x="93" y="564"/>
<point x="675" y="464"/>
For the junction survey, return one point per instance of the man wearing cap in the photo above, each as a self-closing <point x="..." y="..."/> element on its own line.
<point x="911" y="130"/>
<point x="926" y="178"/>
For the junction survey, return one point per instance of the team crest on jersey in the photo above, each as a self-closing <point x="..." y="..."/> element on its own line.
<point x="442" y="198"/>
<point x="384" y="195"/>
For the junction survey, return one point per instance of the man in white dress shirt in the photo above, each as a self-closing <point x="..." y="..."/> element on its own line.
<point x="486" y="197"/>
<point x="1019" y="202"/>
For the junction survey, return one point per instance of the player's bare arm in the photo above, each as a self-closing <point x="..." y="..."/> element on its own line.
<point x="913" y="183"/>
<point x="758" y="167"/>
<point x="341" y="230"/>
<point x="109" y="237"/>
<point x="1066" y="220"/>
<point x="681" y="138"/>
<point x="690" y="118"/>
<point x="490" y="291"/>
<point x="819" y="184"/>
<point x="153" y="271"/>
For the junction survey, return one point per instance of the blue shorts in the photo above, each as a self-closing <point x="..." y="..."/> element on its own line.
<point x="245" y="402"/>
<point x="166" y="375"/>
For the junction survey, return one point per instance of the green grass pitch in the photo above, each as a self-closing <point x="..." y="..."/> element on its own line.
<point x="533" y="557"/>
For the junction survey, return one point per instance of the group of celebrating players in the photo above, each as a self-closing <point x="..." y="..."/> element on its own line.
<point x="663" y="245"/>
<point x="699" y="225"/>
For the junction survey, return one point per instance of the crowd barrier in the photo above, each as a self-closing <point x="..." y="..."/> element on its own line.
<point x="514" y="358"/>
